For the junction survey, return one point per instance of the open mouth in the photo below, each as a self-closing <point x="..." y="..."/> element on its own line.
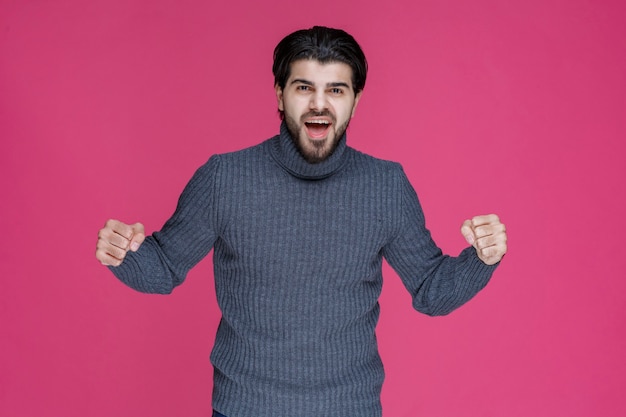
<point x="317" y="129"/>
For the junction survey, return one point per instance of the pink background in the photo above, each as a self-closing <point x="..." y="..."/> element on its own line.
<point x="108" y="107"/>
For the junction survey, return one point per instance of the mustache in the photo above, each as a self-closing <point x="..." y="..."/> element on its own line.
<point x="312" y="113"/>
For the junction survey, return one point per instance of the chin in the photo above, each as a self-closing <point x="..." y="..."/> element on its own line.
<point x="316" y="151"/>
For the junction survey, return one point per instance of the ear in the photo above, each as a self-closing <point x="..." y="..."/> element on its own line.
<point x="279" y="97"/>
<point x="356" y="101"/>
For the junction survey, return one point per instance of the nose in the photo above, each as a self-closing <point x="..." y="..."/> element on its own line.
<point x="318" y="101"/>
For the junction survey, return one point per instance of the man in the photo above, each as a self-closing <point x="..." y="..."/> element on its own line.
<point x="299" y="225"/>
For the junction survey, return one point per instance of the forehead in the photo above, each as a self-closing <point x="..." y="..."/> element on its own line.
<point x="320" y="73"/>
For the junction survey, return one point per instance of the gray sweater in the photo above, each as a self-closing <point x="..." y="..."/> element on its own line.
<point x="298" y="251"/>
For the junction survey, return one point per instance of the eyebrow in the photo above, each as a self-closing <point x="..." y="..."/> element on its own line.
<point x="333" y="84"/>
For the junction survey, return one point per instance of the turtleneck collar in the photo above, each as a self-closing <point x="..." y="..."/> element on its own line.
<point x="284" y="151"/>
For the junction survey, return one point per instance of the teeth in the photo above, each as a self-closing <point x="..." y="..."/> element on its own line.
<point x="319" y="122"/>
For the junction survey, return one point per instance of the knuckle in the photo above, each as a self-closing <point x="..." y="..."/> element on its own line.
<point x="102" y="255"/>
<point x="488" y="252"/>
<point x="123" y="244"/>
<point x="481" y="231"/>
<point x="485" y="242"/>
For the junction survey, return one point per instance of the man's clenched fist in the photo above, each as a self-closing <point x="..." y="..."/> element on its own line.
<point x="115" y="239"/>
<point x="488" y="235"/>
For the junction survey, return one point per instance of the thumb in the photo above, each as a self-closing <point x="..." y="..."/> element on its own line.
<point x="139" y="235"/>
<point x="468" y="232"/>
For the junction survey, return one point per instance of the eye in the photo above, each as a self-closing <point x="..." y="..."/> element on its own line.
<point x="336" y="91"/>
<point x="303" y="87"/>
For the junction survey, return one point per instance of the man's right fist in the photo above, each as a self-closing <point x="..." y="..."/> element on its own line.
<point x="115" y="239"/>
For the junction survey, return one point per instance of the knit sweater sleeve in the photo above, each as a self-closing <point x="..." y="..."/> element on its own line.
<point x="165" y="257"/>
<point x="438" y="283"/>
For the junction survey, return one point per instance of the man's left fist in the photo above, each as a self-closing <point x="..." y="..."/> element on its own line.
<point x="487" y="235"/>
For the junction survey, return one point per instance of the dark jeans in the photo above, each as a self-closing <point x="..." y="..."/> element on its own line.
<point x="216" y="414"/>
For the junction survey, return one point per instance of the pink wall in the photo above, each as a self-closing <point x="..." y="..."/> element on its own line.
<point x="107" y="108"/>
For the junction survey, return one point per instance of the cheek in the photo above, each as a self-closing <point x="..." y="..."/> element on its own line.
<point x="294" y="106"/>
<point x="344" y="115"/>
<point x="344" y="110"/>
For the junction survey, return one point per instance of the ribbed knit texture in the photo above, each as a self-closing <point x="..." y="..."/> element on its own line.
<point x="298" y="251"/>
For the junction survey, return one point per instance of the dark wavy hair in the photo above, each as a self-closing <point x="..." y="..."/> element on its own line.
<point x="322" y="44"/>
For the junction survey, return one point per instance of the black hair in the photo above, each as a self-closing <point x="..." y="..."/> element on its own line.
<point x="322" y="44"/>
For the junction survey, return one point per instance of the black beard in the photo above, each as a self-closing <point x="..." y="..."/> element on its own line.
<point x="314" y="157"/>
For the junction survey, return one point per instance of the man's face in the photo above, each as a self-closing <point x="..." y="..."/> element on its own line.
<point x="318" y="101"/>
